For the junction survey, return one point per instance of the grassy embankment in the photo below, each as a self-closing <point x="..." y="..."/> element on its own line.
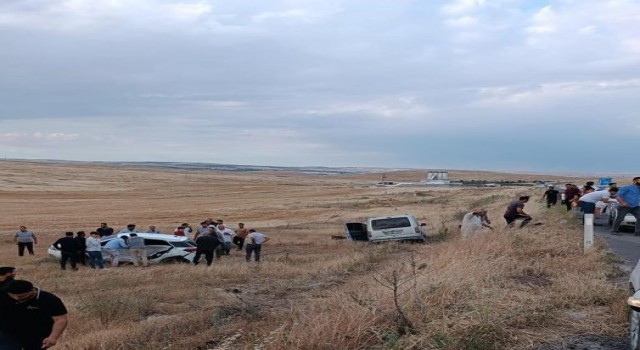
<point x="507" y="289"/>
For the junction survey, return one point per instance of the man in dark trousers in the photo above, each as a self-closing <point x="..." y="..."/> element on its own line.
<point x="206" y="244"/>
<point x="82" y="248"/>
<point x="551" y="195"/>
<point x="69" y="250"/>
<point x="628" y="198"/>
<point x="515" y="211"/>
<point x="33" y="317"/>
<point x="255" y="240"/>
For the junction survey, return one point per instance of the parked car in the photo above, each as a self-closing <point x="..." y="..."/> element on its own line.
<point x="386" y="228"/>
<point x="634" y="307"/>
<point x="161" y="248"/>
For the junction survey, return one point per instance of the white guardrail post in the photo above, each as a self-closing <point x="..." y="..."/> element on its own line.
<point x="588" y="231"/>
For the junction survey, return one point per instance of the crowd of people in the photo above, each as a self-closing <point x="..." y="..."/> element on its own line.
<point x="586" y="199"/>
<point x="212" y="237"/>
<point x="31" y="318"/>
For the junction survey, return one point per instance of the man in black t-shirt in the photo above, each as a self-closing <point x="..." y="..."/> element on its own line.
<point x="551" y="195"/>
<point x="35" y="318"/>
<point x="104" y="230"/>
<point x="206" y="245"/>
<point x="515" y="211"/>
<point x="68" y="250"/>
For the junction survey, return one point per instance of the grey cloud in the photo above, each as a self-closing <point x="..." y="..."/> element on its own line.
<point x="358" y="82"/>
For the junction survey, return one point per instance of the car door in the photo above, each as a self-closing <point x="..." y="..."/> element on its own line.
<point x="356" y="231"/>
<point x="156" y="248"/>
<point x="124" y="252"/>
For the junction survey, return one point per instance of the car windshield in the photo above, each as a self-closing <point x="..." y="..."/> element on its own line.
<point x="156" y="242"/>
<point x="387" y="223"/>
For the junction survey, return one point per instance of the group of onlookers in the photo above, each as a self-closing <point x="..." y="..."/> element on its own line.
<point x="211" y="233"/>
<point x="213" y="237"/>
<point x="586" y="199"/>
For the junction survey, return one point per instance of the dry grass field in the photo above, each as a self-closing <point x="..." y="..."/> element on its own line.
<point x="507" y="289"/>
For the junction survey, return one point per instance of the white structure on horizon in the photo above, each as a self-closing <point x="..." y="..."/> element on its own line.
<point x="437" y="177"/>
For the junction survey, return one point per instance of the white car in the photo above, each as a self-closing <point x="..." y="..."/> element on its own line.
<point x="386" y="228"/>
<point x="634" y="307"/>
<point x="161" y="248"/>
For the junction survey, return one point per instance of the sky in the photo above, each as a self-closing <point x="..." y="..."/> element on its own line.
<point x="547" y="86"/>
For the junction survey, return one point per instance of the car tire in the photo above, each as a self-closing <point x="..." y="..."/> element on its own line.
<point x="175" y="260"/>
<point x="634" y="329"/>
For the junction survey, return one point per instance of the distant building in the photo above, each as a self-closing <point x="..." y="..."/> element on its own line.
<point x="437" y="177"/>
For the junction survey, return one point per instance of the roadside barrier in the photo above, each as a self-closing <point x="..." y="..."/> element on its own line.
<point x="588" y="231"/>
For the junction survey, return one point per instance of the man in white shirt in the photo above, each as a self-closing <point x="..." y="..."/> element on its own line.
<point x="227" y="236"/>
<point x="254" y="243"/>
<point x="587" y="203"/>
<point x="472" y="223"/>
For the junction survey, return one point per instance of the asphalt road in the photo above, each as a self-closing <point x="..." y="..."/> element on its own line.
<point x="626" y="245"/>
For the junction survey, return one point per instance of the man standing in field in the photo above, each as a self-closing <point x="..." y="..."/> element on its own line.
<point x="131" y="228"/>
<point x="227" y="235"/>
<point x="33" y="317"/>
<point x="551" y="195"/>
<point x="104" y="230"/>
<point x="628" y="198"/>
<point x="515" y="211"/>
<point x="94" y="249"/>
<point x="113" y="249"/>
<point x="82" y="248"/>
<point x="206" y="244"/>
<point x="241" y="233"/>
<point x="152" y="229"/>
<point x="68" y="250"/>
<point x="137" y="250"/>
<point x="254" y="244"/>
<point x="202" y="230"/>
<point x="25" y="239"/>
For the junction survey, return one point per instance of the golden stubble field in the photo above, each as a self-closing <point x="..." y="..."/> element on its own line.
<point x="508" y="289"/>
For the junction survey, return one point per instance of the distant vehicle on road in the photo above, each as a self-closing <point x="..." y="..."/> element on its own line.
<point x="386" y="228"/>
<point x="387" y="184"/>
<point x="160" y="248"/>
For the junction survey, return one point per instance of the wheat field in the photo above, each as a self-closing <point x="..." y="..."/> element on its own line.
<point x="505" y="289"/>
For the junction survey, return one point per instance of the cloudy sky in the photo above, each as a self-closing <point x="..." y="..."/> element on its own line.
<point x="468" y="84"/>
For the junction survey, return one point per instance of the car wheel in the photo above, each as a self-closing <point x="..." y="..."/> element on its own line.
<point x="634" y="329"/>
<point x="175" y="260"/>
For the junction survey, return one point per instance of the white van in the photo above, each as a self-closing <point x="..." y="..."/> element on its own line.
<point x="386" y="228"/>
